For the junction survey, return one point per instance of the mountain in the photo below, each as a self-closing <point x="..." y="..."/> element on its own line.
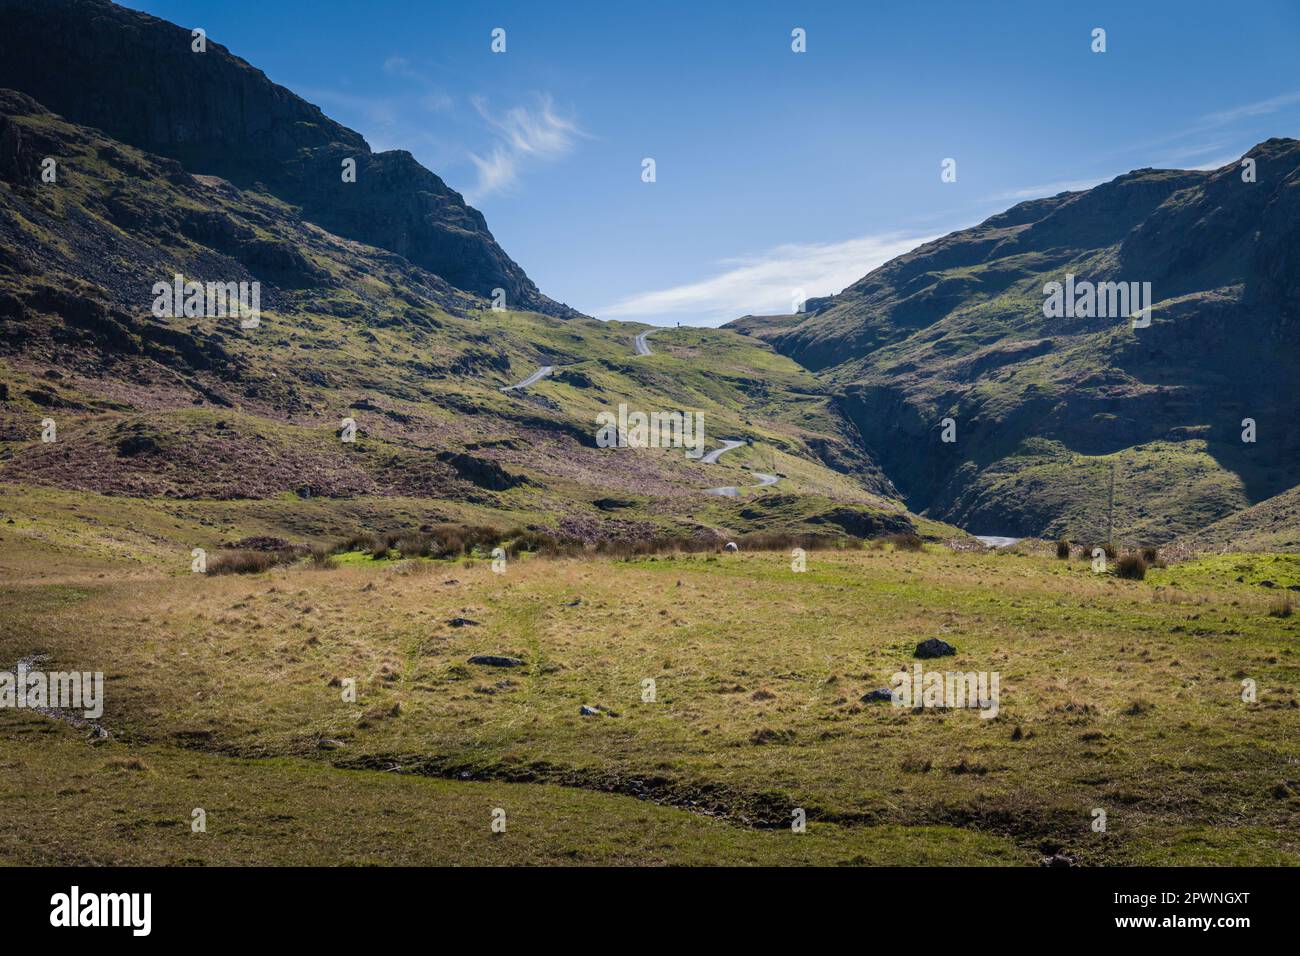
<point x="137" y="79"/>
<point x="1045" y="409"/>
<point x="239" y="428"/>
<point x="374" y="300"/>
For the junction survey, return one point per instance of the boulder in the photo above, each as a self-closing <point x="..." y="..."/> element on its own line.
<point x="934" y="648"/>
<point x="496" y="660"/>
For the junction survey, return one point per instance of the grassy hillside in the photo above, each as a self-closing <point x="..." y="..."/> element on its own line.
<point x="200" y="408"/>
<point x="1271" y="525"/>
<point x="1041" y="406"/>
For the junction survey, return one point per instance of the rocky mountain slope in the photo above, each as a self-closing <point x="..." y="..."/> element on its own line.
<point x="1043" y="410"/>
<point x="171" y="161"/>
<point x="199" y="408"/>
<point x="137" y="78"/>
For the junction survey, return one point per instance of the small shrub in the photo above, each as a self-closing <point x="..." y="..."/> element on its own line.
<point x="362" y="541"/>
<point x="904" y="542"/>
<point x="1149" y="555"/>
<point x="1281" y="607"/>
<point x="320" y="559"/>
<point x="1063" y="550"/>
<point x="1131" y="566"/>
<point x="242" y="562"/>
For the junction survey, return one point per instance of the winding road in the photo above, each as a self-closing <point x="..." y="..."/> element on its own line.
<point x="533" y="379"/>
<point x="643" y="348"/>
<point x="726" y="491"/>
<point x="731" y="491"/>
<point x="712" y="457"/>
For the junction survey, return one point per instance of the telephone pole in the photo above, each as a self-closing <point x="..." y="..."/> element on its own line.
<point x="1110" y="509"/>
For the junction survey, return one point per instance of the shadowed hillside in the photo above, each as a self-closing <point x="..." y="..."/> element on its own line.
<point x="138" y="79"/>
<point x="1043" y="408"/>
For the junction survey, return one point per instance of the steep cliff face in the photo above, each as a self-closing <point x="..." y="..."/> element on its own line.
<point x="138" y="79"/>
<point x="1043" y="408"/>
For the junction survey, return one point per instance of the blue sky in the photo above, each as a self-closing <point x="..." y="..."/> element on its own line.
<point x="775" y="170"/>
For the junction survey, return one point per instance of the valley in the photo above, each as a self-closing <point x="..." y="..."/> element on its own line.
<point x="385" y="556"/>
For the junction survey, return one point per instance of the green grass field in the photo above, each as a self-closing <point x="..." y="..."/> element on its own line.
<point x="227" y="694"/>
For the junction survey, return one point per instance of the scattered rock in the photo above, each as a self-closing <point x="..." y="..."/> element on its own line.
<point x="731" y="546"/>
<point x="496" y="660"/>
<point x="329" y="744"/>
<point x="934" y="648"/>
<point x="1059" y="859"/>
<point x="587" y="711"/>
<point x="882" y="693"/>
<point x="462" y="622"/>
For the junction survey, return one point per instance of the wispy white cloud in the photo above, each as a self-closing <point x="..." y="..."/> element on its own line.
<point x="1219" y="148"/>
<point x="523" y="134"/>
<point x="1044" y="189"/>
<point x="434" y="99"/>
<point x="1213" y="124"/>
<point x="495" y="173"/>
<point x="1259" y="108"/>
<point x="437" y="101"/>
<point x="1218" y="163"/>
<point x="397" y="65"/>
<point x="768" y="283"/>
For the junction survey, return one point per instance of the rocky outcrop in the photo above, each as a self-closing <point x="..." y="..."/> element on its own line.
<point x="137" y="78"/>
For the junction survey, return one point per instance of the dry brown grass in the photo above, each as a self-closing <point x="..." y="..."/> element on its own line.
<point x="1281" y="607"/>
<point x="759" y="675"/>
<point x="1131" y="567"/>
